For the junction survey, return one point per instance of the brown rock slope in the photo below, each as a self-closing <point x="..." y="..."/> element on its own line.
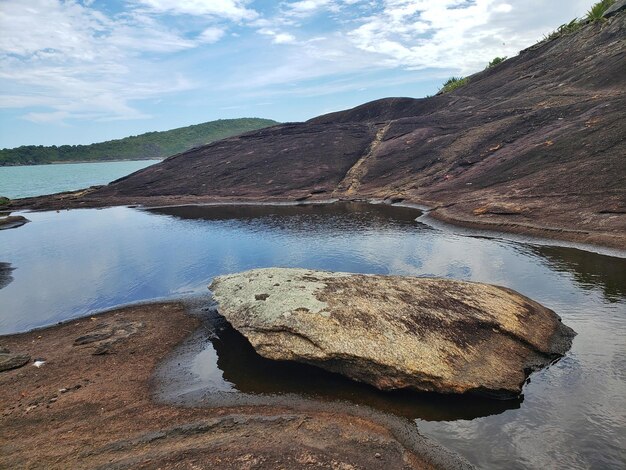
<point x="536" y="145"/>
<point x="435" y="335"/>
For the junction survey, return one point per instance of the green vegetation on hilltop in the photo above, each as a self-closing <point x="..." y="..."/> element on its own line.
<point x="496" y="61"/>
<point x="452" y="84"/>
<point x="595" y="13"/>
<point x="151" y="145"/>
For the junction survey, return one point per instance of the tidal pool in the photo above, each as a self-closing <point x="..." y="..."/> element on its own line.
<point x="73" y="263"/>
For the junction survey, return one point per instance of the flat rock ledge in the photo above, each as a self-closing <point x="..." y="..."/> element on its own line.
<point x="395" y="332"/>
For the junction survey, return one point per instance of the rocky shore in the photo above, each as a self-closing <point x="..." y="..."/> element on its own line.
<point x="90" y="405"/>
<point x="532" y="146"/>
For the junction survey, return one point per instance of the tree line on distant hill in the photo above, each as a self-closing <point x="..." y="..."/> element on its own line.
<point x="152" y="145"/>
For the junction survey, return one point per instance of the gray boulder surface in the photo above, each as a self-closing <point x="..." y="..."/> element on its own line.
<point x="395" y="332"/>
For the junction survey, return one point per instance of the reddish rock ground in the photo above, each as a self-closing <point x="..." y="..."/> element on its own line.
<point x="86" y="410"/>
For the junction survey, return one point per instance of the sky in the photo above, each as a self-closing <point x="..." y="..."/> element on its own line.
<point x="77" y="72"/>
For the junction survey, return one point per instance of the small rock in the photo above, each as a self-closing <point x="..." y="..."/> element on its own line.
<point x="102" y="349"/>
<point x="377" y="455"/>
<point x="105" y="335"/>
<point x="501" y="209"/>
<point x="10" y="361"/>
<point x="92" y="338"/>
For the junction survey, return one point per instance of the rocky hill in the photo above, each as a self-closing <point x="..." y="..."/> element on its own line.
<point x="536" y="144"/>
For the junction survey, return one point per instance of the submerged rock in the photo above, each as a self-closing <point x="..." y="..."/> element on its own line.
<point x="12" y="221"/>
<point x="5" y="275"/>
<point x="395" y="332"/>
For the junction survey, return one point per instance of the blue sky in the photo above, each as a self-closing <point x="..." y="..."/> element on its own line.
<point x="77" y="72"/>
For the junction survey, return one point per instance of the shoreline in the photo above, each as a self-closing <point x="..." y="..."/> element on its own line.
<point x="601" y="243"/>
<point x="172" y="433"/>
<point x="61" y="408"/>
<point x="84" y="161"/>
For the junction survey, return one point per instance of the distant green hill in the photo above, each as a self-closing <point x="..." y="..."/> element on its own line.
<point x="140" y="147"/>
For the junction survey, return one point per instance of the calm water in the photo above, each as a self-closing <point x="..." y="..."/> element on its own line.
<point x="36" y="180"/>
<point x="573" y="414"/>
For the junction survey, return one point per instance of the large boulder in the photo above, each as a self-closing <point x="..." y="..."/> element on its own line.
<point x="395" y="332"/>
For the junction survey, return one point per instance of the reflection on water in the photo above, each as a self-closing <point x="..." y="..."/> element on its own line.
<point x="590" y="270"/>
<point x="5" y="274"/>
<point x="228" y="363"/>
<point x="305" y="218"/>
<point x="573" y="414"/>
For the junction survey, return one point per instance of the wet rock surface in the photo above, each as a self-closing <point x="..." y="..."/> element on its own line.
<point x="393" y="332"/>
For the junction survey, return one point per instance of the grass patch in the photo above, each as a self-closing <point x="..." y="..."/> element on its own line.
<point x="453" y="83"/>
<point x="496" y="61"/>
<point x="595" y="13"/>
<point x="566" y="28"/>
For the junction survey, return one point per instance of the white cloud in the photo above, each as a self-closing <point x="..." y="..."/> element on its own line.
<point x="230" y="9"/>
<point x="304" y="8"/>
<point x="503" y="8"/>
<point x="278" y="37"/>
<point x="307" y="7"/>
<point x="56" y="116"/>
<point x="454" y="34"/>
<point x="65" y="59"/>
<point x="75" y="60"/>
<point x="211" y="35"/>
<point x="284" y="38"/>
